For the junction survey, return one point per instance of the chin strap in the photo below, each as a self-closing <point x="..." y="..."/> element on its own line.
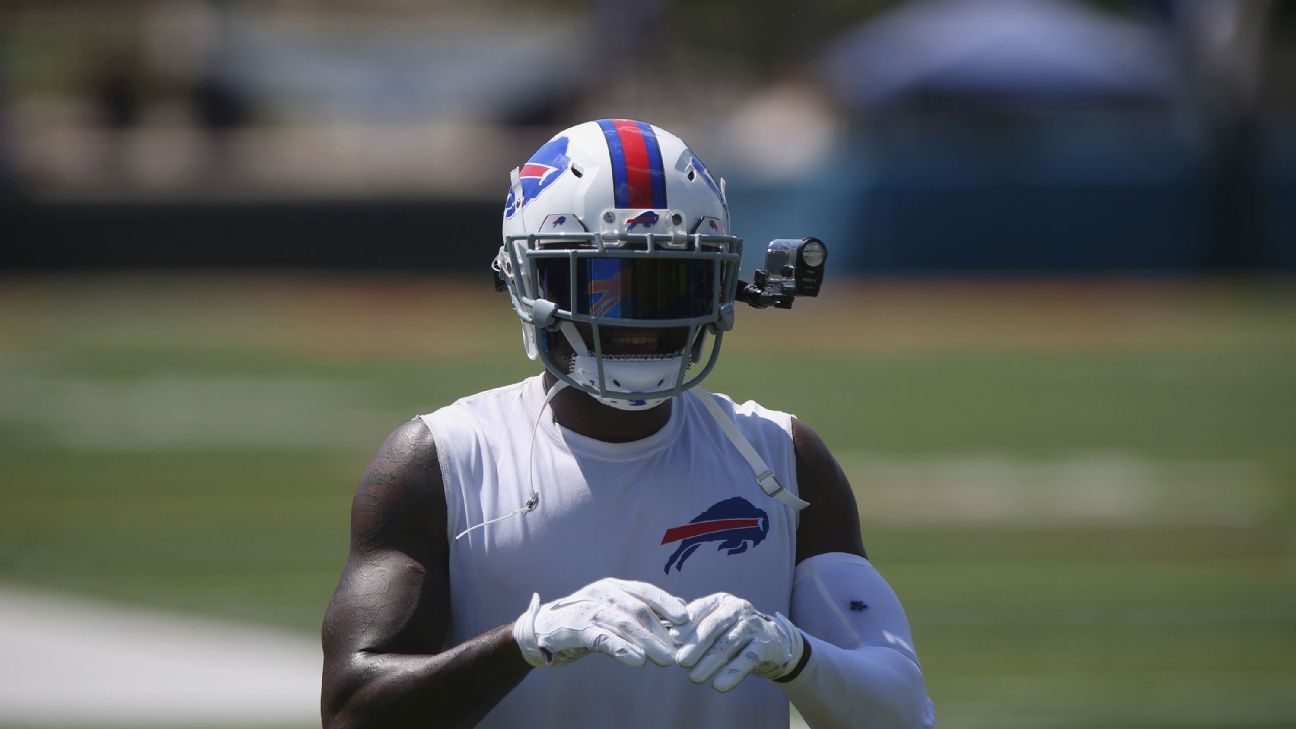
<point x="573" y="337"/>
<point x="765" y="477"/>
<point x="649" y="373"/>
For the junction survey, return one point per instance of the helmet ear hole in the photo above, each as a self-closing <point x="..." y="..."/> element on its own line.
<point x="576" y="170"/>
<point x="691" y="174"/>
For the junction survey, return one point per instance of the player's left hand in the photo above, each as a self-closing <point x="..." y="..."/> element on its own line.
<point x="727" y="639"/>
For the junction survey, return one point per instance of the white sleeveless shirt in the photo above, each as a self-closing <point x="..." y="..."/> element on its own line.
<point x="680" y="509"/>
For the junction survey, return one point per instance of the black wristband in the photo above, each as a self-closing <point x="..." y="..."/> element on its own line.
<point x="805" y="658"/>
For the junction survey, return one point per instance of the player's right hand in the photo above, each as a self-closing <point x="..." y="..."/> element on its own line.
<point x="622" y="618"/>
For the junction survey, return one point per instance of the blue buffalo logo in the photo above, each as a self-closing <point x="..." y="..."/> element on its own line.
<point x="734" y="524"/>
<point x="546" y="165"/>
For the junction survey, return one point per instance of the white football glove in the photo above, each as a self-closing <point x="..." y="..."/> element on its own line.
<point x="624" y="619"/>
<point x="727" y="639"/>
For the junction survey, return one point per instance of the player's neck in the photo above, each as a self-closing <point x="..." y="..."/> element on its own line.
<point x="582" y="414"/>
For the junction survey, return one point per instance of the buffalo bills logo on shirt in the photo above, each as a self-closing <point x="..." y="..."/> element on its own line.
<point x="539" y="172"/>
<point x="735" y="525"/>
<point x="647" y="219"/>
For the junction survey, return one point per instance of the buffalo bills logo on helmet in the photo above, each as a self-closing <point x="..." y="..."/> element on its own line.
<point x="735" y="525"/>
<point x="539" y="172"/>
<point x="647" y="219"/>
<point x="559" y="220"/>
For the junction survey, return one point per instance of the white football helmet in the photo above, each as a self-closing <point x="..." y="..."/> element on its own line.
<point x="618" y="259"/>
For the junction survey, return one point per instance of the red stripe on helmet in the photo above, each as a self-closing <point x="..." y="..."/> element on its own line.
<point x="638" y="166"/>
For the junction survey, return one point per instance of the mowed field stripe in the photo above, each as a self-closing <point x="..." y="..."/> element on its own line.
<point x="1084" y="489"/>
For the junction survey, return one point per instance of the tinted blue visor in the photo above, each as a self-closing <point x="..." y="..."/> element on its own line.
<point x="630" y="288"/>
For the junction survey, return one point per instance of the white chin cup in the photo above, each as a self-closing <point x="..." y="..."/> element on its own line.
<point x="629" y="376"/>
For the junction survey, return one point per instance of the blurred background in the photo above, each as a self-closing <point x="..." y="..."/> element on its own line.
<point x="1056" y="351"/>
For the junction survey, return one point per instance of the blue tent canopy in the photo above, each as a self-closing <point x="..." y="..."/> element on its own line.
<point x="1048" y="50"/>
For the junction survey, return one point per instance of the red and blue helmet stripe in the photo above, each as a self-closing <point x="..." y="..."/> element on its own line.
<point x="638" y="175"/>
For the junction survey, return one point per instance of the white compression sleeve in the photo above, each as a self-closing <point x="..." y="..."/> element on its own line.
<point x="862" y="670"/>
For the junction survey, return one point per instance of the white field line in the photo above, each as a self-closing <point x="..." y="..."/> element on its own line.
<point x="70" y="661"/>
<point x="1085" y="489"/>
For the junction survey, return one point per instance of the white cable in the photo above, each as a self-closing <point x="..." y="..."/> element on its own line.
<point x="533" y="498"/>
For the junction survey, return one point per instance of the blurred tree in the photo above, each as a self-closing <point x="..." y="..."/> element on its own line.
<point x="1221" y="42"/>
<point x="8" y="178"/>
<point x="769" y="36"/>
<point x="115" y="89"/>
<point x="1277" y="94"/>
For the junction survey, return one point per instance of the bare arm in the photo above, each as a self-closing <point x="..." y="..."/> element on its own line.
<point x="383" y="633"/>
<point x="831" y="522"/>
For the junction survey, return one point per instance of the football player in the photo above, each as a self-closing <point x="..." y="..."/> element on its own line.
<point x="710" y="550"/>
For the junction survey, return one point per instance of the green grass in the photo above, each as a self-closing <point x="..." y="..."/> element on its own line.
<point x="193" y="445"/>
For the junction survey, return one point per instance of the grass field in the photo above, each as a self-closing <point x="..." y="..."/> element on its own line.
<point x="1084" y="492"/>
